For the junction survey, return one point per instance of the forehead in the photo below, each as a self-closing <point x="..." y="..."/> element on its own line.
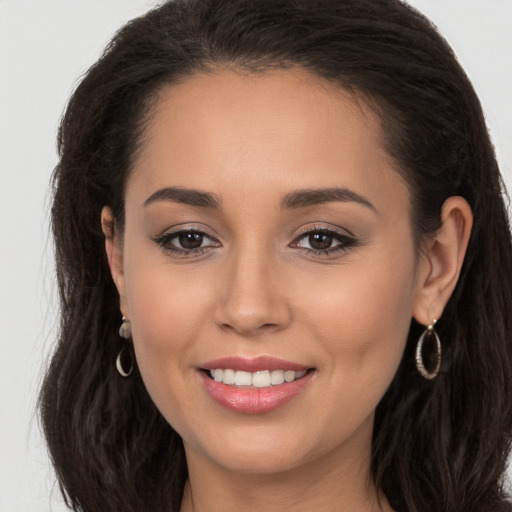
<point x="244" y="131"/>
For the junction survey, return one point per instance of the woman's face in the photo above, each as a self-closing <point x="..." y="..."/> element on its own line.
<point x="267" y="233"/>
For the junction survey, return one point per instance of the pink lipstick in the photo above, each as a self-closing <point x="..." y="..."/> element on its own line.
<point x="254" y="385"/>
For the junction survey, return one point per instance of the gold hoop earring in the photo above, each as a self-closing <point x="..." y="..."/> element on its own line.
<point x="435" y="360"/>
<point x="125" y="331"/>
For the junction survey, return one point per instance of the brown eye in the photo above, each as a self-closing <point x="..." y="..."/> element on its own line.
<point x="320" y="241"/>
<point x="324" y="242"/>
<point x="186" y="242"/>
<point x="190" y="240"/>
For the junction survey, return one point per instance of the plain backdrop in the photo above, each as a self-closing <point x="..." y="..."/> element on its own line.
<point x="45" y="46"/>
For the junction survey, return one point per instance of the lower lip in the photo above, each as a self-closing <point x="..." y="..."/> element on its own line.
<point x="254" y="400"/>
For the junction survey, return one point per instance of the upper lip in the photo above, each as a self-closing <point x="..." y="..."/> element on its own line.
<point x="253" y="364"/>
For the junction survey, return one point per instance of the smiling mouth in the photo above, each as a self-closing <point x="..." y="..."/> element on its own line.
<point x="254" y="385"/>
<point x="259" y="379"/>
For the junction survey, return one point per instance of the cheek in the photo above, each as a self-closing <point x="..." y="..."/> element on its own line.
<point x="363" y="318"/>
<point x="167" y="312"/>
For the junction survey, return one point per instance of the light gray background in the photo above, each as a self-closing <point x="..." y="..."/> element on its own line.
<point x="45" y="45"/>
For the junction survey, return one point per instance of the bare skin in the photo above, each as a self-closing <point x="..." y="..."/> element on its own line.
<point x="229" y="251"/>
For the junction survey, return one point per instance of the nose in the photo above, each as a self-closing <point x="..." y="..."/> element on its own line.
<point x="252" y="299"/>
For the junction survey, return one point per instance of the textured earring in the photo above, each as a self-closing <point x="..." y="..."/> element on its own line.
<point x="125" y="331"/>
<point x="435" y="360"/>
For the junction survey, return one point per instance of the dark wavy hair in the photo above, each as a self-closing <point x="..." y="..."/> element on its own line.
<point x="438" y="445"/>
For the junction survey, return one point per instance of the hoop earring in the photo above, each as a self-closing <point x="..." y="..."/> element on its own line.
<point x="125" y="331"/>
<point x="420" y="365"/>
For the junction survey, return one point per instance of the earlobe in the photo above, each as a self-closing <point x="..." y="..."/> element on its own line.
<point x="114" y="254"/>
<point x="442" y="260"/>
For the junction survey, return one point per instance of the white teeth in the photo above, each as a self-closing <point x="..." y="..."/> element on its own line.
<point x="229" y="377"/>
<point x="289" y="376"/>
<point x="277" y="377"/>
<point x="261" y="379"/>
<point x="243" y="378"/>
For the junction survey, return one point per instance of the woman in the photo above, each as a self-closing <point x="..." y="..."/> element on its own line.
<point x="295" y="209"/>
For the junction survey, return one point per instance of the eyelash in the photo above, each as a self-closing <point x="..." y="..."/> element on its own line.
<point x="345" y="242"/>
<point x="165" y="242"/>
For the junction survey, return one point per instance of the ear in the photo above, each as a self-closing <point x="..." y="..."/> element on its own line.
<point x="441" y="261"/>
<point x="114" y="256"/>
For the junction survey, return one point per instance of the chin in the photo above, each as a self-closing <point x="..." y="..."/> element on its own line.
<point x="258" y="451"/>
<point x="292" y="447"/>
<point x="262" y="462"/>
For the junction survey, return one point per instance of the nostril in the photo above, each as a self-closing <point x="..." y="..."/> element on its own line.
<point x="249" y="309"/>
<point x="249" y="329"/>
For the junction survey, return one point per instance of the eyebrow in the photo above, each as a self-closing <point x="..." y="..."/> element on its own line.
<point x="293" y="200"/>
<point x="311" y="197"/>
<point x="184" y="196"/>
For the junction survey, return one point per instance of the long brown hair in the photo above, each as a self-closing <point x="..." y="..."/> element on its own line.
<point x="438" y="445"/>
